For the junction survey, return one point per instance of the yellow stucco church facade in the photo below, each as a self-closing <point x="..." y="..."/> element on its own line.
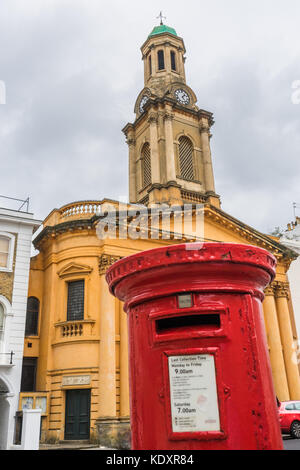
<point x="75" y="350"/>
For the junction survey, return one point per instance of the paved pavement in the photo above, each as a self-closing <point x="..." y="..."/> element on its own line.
<point x="72" y="445"/>
<point x="288" y="443"/>
<point x="291" y="444"/>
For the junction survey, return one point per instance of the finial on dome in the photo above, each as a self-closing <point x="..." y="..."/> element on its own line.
<point x="161" y="17"/>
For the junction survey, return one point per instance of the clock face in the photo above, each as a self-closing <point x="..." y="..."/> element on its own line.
<point x="181" y="96"/>
<point x="143" y="101"/>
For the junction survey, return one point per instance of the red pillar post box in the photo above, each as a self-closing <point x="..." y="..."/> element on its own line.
<point x="200" y="376"/>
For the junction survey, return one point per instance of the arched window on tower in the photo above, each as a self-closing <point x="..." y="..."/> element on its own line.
<point x="186" y="163"/>
<point x="32" y="316"/>
<point x="150" y="65"/>
<point x="173" y="60"/>
<point x="146" y="165"/>
<point x="161" y="60"/>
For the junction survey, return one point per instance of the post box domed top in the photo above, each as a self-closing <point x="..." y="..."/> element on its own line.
<point x="192" y="266"/>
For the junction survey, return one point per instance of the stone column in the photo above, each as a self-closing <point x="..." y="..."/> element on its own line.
<point x="107" y="359"/>
<point x="124" y="374"/>
<point x="154" y="60"/>
<point x="181" y="60"/>
<point x="170" y="156"/>
<point x="167" y="58"/>
<point x="289" y="353"/>
<point x="155" y="172"/>
<point x="275" y="346"/>
<point x="146" y="75"/>
<point x="132" y="169"/>
<point x="113" y="430"/>
<point x="206" y="153"/>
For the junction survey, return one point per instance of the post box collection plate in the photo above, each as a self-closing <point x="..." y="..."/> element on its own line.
<point x="193" y="393"/>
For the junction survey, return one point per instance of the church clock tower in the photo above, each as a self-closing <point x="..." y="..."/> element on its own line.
<point x="169" y="141"/>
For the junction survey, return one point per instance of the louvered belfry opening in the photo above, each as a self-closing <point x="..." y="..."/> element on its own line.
<point x="173" y="60"/>
<point x="146" y="161"/>
<point x="161" y="60"/>
<point x="186" y="158"/>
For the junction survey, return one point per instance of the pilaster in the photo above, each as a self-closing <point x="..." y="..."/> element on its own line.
<point x="107" y="353"/>
<point x="170" y="156"/>
<point x="155" y="170"/>
<point x="132" y="169"/>
<point x="207" y="161"/>
<point x="124" y="374"/>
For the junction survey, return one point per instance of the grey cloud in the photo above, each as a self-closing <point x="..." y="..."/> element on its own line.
<point x="73" y="70"/>
<point x="256" y="143"/>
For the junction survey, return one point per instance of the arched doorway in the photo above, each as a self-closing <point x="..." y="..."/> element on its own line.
<point x="4" y="413"/>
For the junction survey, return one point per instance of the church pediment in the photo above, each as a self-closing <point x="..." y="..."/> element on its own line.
<point x="242" y="233"/>
<point x="74" y="268"/>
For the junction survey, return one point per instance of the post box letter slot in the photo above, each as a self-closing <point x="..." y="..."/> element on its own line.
<point x="201" y="321"/>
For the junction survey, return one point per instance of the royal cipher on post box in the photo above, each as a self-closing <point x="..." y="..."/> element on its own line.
<point x="200" y="376"/>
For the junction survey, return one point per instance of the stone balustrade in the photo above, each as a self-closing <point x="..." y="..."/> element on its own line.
<point x="74" y="329"/>
<point x="80" y="210"/>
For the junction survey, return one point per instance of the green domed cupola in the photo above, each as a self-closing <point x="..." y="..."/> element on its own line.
<point x="162" y="28"/>
<point x="163" y="56"/>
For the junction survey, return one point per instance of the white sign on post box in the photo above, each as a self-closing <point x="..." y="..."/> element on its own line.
<point x="193" y="393"/>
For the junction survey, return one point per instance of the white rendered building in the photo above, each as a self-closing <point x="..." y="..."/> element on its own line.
<point x="16" y="229"/>
<point x="291" y="239"/>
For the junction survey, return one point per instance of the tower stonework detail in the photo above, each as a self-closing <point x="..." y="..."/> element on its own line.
<point x="169" y="123"/>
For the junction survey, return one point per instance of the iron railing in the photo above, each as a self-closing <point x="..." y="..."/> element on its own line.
<point x="25" y="202"/>
<point x="10" y="358"/>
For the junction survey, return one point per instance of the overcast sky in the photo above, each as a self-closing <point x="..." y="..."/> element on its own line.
<point x="73" y="69"/>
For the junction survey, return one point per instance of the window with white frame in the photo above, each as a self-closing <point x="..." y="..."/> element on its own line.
<point x="6" y="251"/>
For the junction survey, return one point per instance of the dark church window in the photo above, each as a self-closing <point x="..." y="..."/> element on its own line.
<point x="75" y="310"/>
<point x="150" y="65"/>
<point x="161" y="60"/>
<point x="173" y="60"/>
<point x="32" y="316"/>
<point x="28" y="380"/>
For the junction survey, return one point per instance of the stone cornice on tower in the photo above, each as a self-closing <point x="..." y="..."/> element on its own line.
<point x="157" y="103"/>
<point x="165" y="37"/>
